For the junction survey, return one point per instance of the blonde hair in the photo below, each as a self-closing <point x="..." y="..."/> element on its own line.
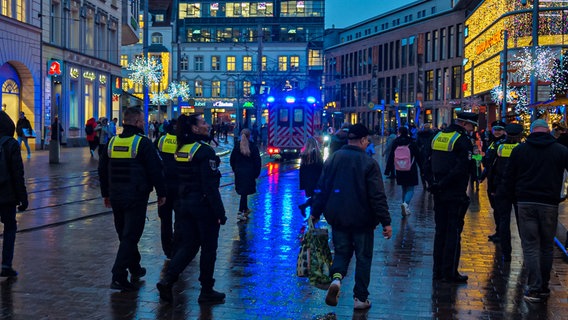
<point x="311" y="152"/>
<point x="244" y="144"/>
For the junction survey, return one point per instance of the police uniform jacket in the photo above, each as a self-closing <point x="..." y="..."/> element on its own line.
<point x="131" y="167"/>
<point x="502" y="154"/>
<point x="199" y="179"/>
<point x="450" y="161"/>
<point x="167" y="145"/>
<point x="489" y="161"/>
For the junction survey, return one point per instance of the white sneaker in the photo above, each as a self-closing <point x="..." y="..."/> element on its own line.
<point x="241" y="217"/>
<point x="332" y="297"/>
<point x="404" y="209"/>
<point x="361" y="305"/>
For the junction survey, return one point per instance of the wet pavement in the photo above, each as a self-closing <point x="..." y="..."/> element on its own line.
<point x="66" y="246"/>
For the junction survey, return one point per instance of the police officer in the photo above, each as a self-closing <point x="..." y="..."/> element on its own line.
<point x="127" y="172"/>
<point x="199" y="209"/>
<point x="449" y="161"/>
<point x="499" y="137"/>
<point x="167" y="145"/>
<point x="502" y="203"/>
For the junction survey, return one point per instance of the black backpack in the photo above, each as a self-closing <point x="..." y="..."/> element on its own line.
<point x="4" y="171"/>
<point x="89" y="129"/>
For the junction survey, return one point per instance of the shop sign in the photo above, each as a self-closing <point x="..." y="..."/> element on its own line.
<point x="200" y="104"/>
<point x="54" y="67"/>
<point x="248" y="104"/>
<point x="74" y="73"/>
<point x="222" y="104"/>
<point x="89" y="75"/>
<point x="496" y="38"/>
<point x="102" y="79"/>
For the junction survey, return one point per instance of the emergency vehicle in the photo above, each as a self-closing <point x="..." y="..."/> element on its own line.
<point x="291" y="120"/>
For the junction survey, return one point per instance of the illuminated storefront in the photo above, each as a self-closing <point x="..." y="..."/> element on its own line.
<point x="485" y="43"/>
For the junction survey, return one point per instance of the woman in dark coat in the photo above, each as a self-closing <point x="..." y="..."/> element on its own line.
<point x="311" y="166"/>
<point x="245" y="162"/>
<point x="406" y="179"/>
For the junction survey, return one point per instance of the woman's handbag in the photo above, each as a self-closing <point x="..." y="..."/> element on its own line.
<point x="29" y="133"/>
<point x="314" y="258"/>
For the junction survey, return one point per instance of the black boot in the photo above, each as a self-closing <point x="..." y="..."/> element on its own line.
<point x="211" y="296"/>
<point x="166" y="290"/>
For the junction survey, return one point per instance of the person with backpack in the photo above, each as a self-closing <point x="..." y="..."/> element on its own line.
<point x="92" y="137"/>
<point x="404" y="159"/>
<point x="13" y="194"/>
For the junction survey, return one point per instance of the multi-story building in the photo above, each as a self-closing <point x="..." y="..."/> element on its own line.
<point x="497" y="34"/>
<point x="229" y="51"/>
<point x="403" y="66"/>
<point x="81" y="45"/>
<point x="20" y="60"/>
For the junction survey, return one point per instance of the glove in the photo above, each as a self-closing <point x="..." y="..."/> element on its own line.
<point x="435" y="188"/>
<point x="223" y="220"/>
<point x="23" y="205"/>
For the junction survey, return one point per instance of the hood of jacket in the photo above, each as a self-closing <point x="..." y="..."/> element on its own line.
<point x="540" y="139"/>
<point x="7" y="126"/>
<point x="92" y="122"/>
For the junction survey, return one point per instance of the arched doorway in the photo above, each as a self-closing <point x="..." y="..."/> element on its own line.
<point x="10" y="85"/>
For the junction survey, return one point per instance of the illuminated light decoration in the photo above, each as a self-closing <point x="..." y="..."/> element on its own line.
<point x="145" y="71"/>
<point x="179" y="89"/>
<point x="522" y="102"/>
<point x="497" y="94"/>
<point x="89" y="75"/>
<point x="270" y="99"/>
<point x="290" y="99"/>
<point x="102" y="79"/>
<point x="74" y="73"/>
<point x="311" y="100"/>
<point x="559" y="80"/>
<point x="541" y="64"/>
<point x="159" y="98"/>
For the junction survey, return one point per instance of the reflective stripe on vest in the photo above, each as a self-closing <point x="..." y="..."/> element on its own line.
<point x="168" y="144"/>
<point x="123" y="148"/>
<point x="504" y="150"/>
<point x="186" y="152"/>
<point x="444" y="141"/>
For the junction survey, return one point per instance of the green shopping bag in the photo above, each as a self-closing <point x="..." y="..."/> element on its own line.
<point x="314" y="258"/>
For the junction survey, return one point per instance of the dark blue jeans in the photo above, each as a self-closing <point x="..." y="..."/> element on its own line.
<point x="449" y="217"/>
<point x="345" y="243"/>
<point x="537" y="227"/>
<point x="8" y="215"/>
<point x="129" y="220"/>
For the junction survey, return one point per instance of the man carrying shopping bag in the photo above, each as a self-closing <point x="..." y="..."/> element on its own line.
<point x="351" y="195"/>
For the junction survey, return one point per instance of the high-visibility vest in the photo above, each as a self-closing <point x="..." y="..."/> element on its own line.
<point x="444" y="141"/>
<point x="123" y="148"/>
<point x="187" y="151"/>
<point x="504" y="150"/>
<point x="168" y="144"/>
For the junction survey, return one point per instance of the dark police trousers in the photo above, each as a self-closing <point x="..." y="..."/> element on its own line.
<point x="165" y="212"/>
<point x="195" y="229"/>
<point x="129" y="220"/>
<point x="449" y="217"/>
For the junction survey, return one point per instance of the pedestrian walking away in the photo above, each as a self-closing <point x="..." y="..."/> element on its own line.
<point x="311" y="164"/>
<point x="534" y="179"/>
<point x="404" y="159"/>
<point x="24" y="131"/>
<point x="13" y="194"/>
<point x="245" y="162"/>
<point x="167" y="145"/>
<point x="128" y="172"/>
<point x="350" y="194"/>
<point x="92" y="137"/>
<point x="199" y="209"/>
<point x="450" y="165"/>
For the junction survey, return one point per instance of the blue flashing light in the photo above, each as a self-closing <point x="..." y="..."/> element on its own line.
<point x="311" y="99"/>
<point x="270" y="99"/>
<point x="290" y="99"/>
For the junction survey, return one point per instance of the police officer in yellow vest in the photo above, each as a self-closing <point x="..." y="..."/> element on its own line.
<point x="450" y="165"/>
<point x="499" y="137"/>
<point x="167" y="145"/>
<point x="502" y="203"/>
<point x="128" y="171"/>
<point x="199" y="209"/>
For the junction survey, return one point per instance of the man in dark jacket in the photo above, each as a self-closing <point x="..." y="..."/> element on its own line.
<point x="339" y="139"/>
<point x="450" y="165"/>
<point x="534" y="180"/>
<point x="24" y="123"/>
<point x="128" y="171"/>
<point x="12" y="191"/>
<point x="351" y="196"/>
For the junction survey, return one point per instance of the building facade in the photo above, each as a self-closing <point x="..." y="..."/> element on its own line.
<point x="20" y="61"/>
<point x="400" y="68"/>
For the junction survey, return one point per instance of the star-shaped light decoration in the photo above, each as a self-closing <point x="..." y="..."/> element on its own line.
<point x="179" y="89"/>
<point x="542" y="63"/>
<point x="159" y="98"/>
<point x="145" y="71"/>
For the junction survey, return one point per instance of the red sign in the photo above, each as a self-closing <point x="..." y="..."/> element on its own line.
<point x="54" y="68"/>
<point x="482" y="109"/>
